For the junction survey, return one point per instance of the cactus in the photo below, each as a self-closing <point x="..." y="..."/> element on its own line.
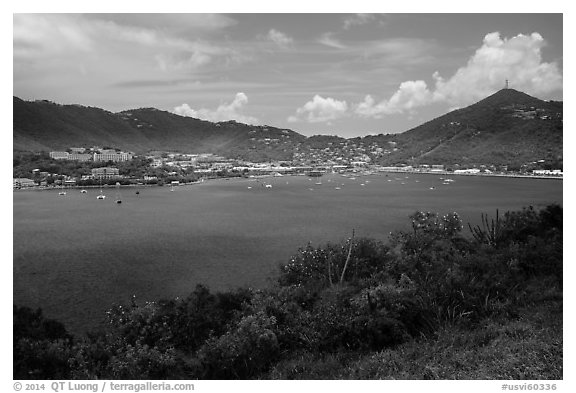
<point x="490" y="233"/>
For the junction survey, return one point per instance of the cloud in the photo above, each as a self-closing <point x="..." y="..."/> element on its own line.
<point x="46" y="38"/>
<point x="328" y="40"/>
<point x="279" y="38"/>
<point x="40" y="36"/>
<point x="409" y="96"/>
<point x="358" y="20"/>
<point x="517" y="59"/>
<point x="193" y="23"/>
<point x="320" y="110"/>
<point x="224" y="112"/>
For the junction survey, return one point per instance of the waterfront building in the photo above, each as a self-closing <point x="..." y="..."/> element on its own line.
<point x="21" y="182"/>
<point x="105" y="173"/>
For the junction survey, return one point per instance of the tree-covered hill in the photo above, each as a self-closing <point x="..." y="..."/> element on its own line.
<point x="507" y="128"/>
<point x="504" y="128"/>
<point x="45" y="126"/>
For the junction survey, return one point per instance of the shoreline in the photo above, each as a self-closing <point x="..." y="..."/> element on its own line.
<point x="511" y="175"/>
<point x="379" y="172"/>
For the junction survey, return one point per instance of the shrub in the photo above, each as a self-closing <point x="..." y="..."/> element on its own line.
<point x="324" y="266"/>
<point x="41" y="346"/>
<point x="41" y="359"/>
<point x="340" y="322"/>
<point x="244" y="351"/>
<point x="181" y="323"/>
<point x="142" y="362"/>
<point x="28" y="323"/>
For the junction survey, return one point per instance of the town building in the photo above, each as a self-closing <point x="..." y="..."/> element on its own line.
<point x="59" y="155"/>
<point x="22" y="182"/>
<point x="79" y="157"/>
<point x="105" y="173"/>
<point x="114" y="157"/>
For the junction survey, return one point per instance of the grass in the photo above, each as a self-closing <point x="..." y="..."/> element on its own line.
<point x="528" y="346"/>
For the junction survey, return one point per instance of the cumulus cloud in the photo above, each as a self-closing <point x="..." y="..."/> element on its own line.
<point x="409" y="96"/>
<point x="224" y="112"/>
<point x="279" y="38"/>
<point x="517" y="59"/>
<point x="320" y="109"/>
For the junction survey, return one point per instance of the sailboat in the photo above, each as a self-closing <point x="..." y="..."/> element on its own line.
<point x="101" y="196"/>
<point x="118" y="197"/>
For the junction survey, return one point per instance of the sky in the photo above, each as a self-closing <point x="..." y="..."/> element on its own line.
<point x="316" y="73"/>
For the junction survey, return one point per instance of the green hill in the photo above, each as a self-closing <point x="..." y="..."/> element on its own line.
<point x="45" y="126"/>
<point x="506" y="128"/>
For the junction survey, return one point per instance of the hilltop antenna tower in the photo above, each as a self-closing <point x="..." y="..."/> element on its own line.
<point x="506" y="84"/>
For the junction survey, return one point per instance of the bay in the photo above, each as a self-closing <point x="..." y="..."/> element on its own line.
<point x="74" y="256"/>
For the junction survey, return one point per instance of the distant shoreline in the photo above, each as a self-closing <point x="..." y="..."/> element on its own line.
<point x="477" y="174"/>
<point x="266" y="176"/>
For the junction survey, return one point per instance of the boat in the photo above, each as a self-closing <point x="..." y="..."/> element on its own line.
<point x="83" y="191"/>
<point x="118" y="196"/>
<point x="101" y="196"/>
<point x="62" y="191"/>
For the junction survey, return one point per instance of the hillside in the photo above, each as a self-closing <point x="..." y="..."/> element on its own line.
<point x="507" y="128"/>
<point x="44" y="126"/>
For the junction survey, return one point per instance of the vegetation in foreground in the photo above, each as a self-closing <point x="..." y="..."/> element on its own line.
<point x="429" y="303"/>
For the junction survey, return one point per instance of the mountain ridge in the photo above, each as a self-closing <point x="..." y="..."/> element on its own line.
<point x="506" y="126"/>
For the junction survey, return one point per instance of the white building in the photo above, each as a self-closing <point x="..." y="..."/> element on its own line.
<point x="80" y="157"/>
<point x="59" y="155"/>
<point x="105" y="173"/>
<point x="471" y="171"/>
<point x="21" y="182"/>
<point x="114" y="157"/>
